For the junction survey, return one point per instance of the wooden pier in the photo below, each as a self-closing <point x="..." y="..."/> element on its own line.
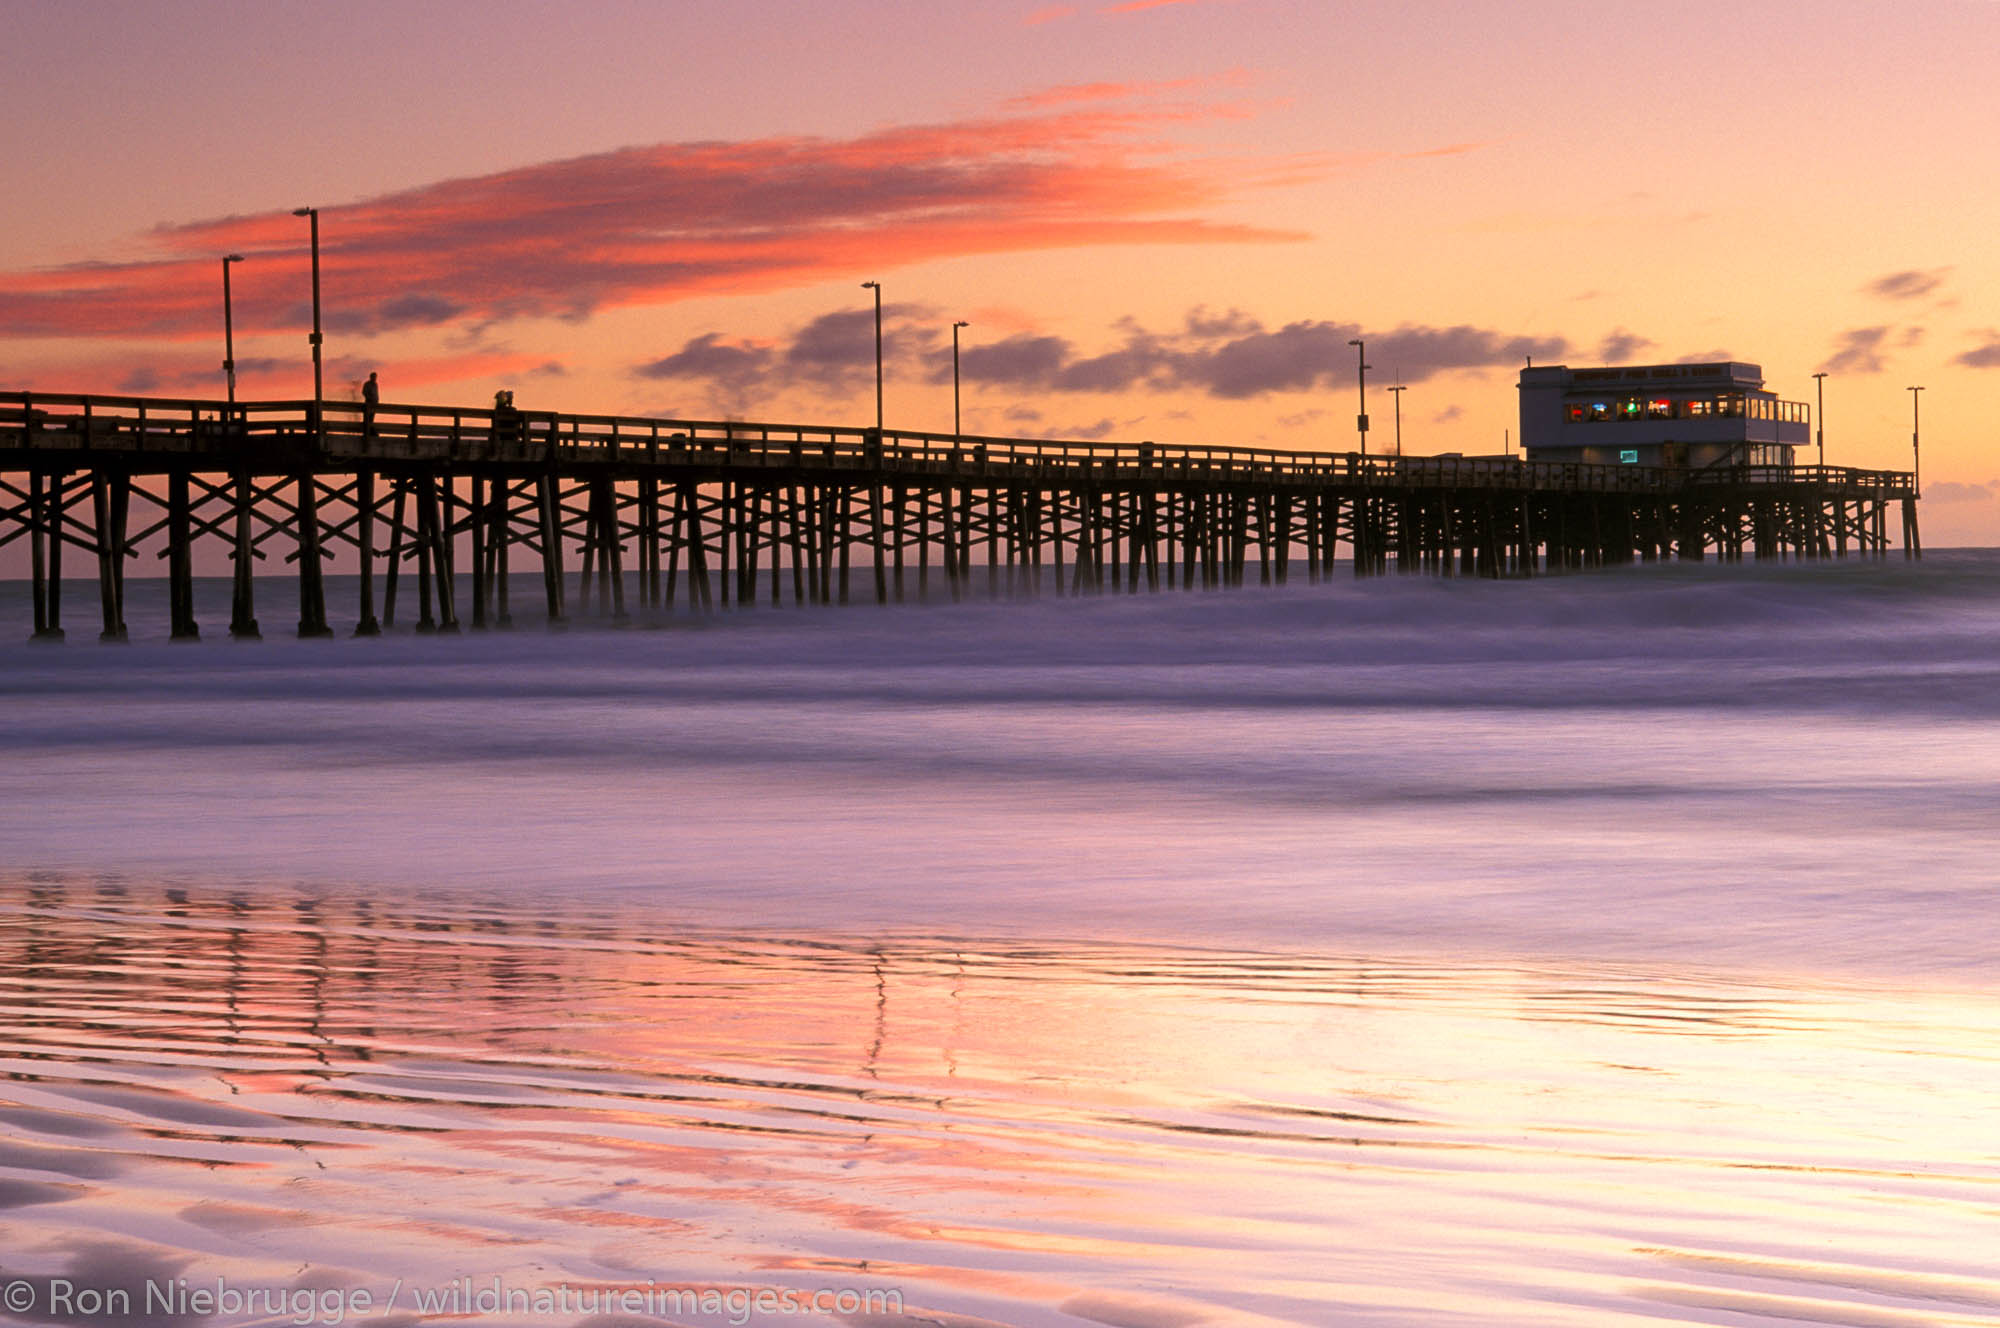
<point x="623" y="515"/>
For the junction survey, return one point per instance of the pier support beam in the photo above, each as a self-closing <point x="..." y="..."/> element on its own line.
<point x="109" y="497"/>
<point x="364" y="498"/>
<point x="312" y="579"/>
<point x="45" y="545"/>
<point x="180" y="560"/>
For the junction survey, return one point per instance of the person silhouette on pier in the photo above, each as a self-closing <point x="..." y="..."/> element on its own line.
<point x="371" y="397"/>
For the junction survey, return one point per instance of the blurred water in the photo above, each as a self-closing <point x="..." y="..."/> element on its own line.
<point x="1596" y="949"/>
<point x="1769" y="766"/>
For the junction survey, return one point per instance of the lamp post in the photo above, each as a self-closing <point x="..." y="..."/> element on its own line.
<point x="319" y="391"/>
<point x="956" y="427"/>
<point x="1399" y="389"/>
<point x="1819" y="415"/>
<point x="1361" y="383"/>
<point x="1916" y="443"/>
<point x="229" y="329"/>
<point x="876" y="286"/>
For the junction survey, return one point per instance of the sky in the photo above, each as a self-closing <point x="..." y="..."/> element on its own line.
<point x="1159" y="219"/>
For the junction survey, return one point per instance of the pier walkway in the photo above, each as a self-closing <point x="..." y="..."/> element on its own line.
<point x="715" y="514"/>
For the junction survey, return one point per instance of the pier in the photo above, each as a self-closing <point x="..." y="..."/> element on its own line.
<point x="607" y="516"/>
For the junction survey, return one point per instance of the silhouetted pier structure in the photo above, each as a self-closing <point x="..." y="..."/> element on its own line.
<point x="713" y="513"/>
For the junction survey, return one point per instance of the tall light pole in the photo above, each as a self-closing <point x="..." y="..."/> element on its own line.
<point x="1916" y="443"/>
<point x="229" y="328"/>
<point x="1819" y="415"/>
<point x="876" y="286"/>
<point x="319" y="388"/>
<point x="956" y="427"/>
<point x="1399" y="389"/>
<point x="1361" y="381"/>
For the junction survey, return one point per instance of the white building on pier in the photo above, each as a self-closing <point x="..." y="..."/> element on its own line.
<point x="1681" y="415"/>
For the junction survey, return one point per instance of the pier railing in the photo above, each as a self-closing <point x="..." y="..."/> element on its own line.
<point x="139" y="427"/>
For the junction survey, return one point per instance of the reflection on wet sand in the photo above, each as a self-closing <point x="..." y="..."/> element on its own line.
<point x="341" y="1090"/>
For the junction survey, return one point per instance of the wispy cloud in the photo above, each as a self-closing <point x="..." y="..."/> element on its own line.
<point x="1859" y="350"/>
<point x="1139" y="6"/>
<point x="1621" y="346"/>
<point x="654" y="224"/>
<point x="1071" y="94"/>
<point x="1912" y="284"/>
<point x="1950" y="491"/>
<point x="1986" y="355"/>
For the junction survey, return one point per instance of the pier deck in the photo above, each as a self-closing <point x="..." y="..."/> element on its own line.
<point x="721" y="513"/>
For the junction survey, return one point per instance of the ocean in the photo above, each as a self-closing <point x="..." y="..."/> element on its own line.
<point x="1603" y="949"/>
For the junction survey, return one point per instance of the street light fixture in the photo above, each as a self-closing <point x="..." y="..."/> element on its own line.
<point x="1399" y="389"/>
<point x="1916" y="443"/>
<point x="956" y="427"/>
<point x="319" y="388"/>
<point x="229" y="328"/>
<point x="1819" y="415"/>
<point x="876" y="286"/>
<point x="1361" y="381"/>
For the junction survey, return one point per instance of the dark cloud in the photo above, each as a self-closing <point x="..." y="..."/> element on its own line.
<point x="708" y="356"/>
<point x="732" y="373"/>
<point x="1448" y="414"/>
<point x="1235" y="357"/>
<point x="1089" y="432"/>
<point x="1986" y="356"/>
<point x="141" y="381"/>
<point x="1859" y="350"/>
<point x="1021" y="360"/>
<point x="837" y="350"/>
<point x="1910" y="285"/>
<point x="1144" y="360"/>
<point x="1621" y="346"/>
<point x="1201" y="322"/>
<point x="411" y="310"/>
<point x="1231" y="356"/>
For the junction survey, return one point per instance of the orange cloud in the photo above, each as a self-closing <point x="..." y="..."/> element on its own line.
<point x="1073" y="93"/>
<point x="1135" y="6"/>
<point x="655" y="224"/>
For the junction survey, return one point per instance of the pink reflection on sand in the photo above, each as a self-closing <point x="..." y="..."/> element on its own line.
<point x="257" y="1082"/>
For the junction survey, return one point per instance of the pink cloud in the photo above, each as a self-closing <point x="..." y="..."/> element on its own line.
<point x="1048" y="15"/>
<point x="654" y="224"/>
<point x="1073" y="93"/>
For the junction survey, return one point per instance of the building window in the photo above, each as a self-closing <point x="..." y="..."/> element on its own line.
<point x="1630" y="408"/>
<point x="1659" y="408"/>
<point x="1576" y="414"/>
<point x="1698" y="410"/>
<point x="1730" y="404"/>
<point x="1600" y="410"/>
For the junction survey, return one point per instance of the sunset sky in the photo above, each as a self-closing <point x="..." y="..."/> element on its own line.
<point x="1161" y="218"/>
